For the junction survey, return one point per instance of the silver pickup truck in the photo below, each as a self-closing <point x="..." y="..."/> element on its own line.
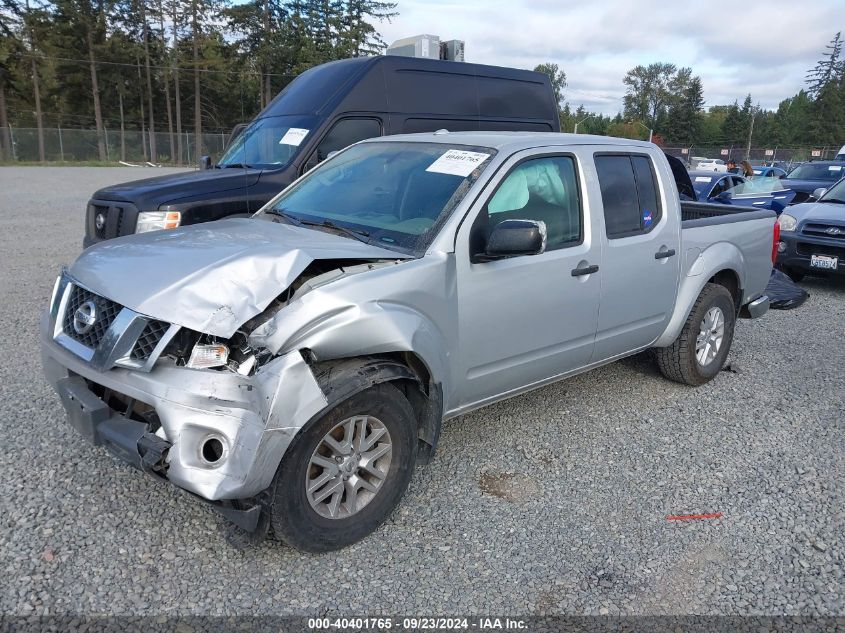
<point x="290" y="369"/>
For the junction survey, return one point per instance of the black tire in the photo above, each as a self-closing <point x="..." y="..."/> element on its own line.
<point x="794" y="274"/>
<point x="295" y="521"/>
<point x="678" y="361"/>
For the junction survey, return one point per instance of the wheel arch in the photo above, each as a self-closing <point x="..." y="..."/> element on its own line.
<point x="341" y="378"/>
<point x="724" y="274"/>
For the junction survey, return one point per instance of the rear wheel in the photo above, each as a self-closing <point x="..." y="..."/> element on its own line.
<point x="701" y="349"/>
<point x="344" y="475"/>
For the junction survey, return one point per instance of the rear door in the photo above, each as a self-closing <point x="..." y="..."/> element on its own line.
<point x="640" y="253"/>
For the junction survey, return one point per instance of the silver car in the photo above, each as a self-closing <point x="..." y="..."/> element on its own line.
<point x="290" y="369"/>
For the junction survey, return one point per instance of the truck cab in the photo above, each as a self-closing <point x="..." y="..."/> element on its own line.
<point x="322" y="111"/>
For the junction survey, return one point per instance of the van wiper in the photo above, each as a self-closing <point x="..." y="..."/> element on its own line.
<point x="234" y="165"/>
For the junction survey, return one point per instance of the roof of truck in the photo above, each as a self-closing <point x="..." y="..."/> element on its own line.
<point x="512" y="141"/>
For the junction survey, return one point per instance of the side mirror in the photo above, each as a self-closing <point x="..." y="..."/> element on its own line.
<point x="205" y="162"/>
<point x="511" y="238"/>
<point x="818" y="193"/>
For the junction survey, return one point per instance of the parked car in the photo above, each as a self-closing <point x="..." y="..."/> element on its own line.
<point x="291" y="368"/>
<point x="765" y="193"/>
<point x="323" y="110"/>
<point x="764" y="171"/>
<point x="812" y="236"/>
<point x="808" y="177"/>
<point x="711" y="164"/>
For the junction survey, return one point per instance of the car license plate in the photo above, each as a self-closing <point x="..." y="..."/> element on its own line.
<point x="823" y="261"/>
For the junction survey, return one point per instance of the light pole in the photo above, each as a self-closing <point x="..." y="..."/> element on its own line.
<point x="580" y="122"/>
<point x="650" y="131"/>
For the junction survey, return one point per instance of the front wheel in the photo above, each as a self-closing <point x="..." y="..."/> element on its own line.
<point x="701" y="349"/>
<point x="344" y="474"/>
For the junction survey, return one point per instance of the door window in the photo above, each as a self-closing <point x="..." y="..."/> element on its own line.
<point x="343" y="134"/>
<point x="542" y="189"/>
<point x="629" y="194"/>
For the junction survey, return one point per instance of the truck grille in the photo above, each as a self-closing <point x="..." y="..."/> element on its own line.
<point x="107" y="334"/>
<point x="106" y="221"/>
<point x="829" y="231"/>
<point x="148" y="340"/>
<point x="104" y="312"/>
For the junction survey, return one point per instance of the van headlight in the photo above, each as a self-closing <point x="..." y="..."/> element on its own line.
<point x="157" y="220"/>
<point x="787" y="222"/>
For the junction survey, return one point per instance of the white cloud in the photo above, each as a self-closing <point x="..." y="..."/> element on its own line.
<point x="766" y="50"/>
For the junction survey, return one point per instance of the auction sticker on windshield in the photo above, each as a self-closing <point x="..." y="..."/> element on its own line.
<point x="293" y="136"/>
<point x="458" y="162"/>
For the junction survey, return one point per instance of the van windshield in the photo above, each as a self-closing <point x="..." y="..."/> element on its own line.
<point x="391" y="194"/>
<point x="268" y="142"/>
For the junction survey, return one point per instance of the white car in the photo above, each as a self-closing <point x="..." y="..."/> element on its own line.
<point x="712" y="164"/>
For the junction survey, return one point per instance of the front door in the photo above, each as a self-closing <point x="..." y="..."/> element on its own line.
<point x="527" y="318"/>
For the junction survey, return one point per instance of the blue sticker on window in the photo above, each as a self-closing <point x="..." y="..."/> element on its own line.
<point x="647" y="219"/>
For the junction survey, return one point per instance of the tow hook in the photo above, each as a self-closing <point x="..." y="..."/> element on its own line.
<point x="153" y="451"/>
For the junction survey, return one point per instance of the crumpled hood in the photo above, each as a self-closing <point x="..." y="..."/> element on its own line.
<point x="211" y="277"/>
<point x="818" y="212"/>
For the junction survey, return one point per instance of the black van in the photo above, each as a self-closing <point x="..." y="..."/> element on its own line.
<point x="323" y="110"/>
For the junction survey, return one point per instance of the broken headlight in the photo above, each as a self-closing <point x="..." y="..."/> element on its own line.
<point x="207" y="356"/>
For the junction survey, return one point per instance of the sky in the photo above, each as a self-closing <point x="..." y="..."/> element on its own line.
<point x="765" y="50"/>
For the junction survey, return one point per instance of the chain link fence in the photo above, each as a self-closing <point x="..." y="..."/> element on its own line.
<point x="784" y="156"/>
<point x="132" y="146"/>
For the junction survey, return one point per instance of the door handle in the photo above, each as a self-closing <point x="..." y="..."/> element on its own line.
<point x="664" y="254"/>
<point x="587" y="270"/>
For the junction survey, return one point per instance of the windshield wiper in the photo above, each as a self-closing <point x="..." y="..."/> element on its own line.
<point x="833" y="200"/>
<point x="287" y="216"/>
<point x="234" y="165"/>
<point x="358" y="234"/>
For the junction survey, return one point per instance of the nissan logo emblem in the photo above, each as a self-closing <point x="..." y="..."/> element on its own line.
<point x="85" y="317"/>
<point x="100" y="221"/>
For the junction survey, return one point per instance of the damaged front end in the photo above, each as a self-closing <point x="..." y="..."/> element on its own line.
<point x="211" y="414"/>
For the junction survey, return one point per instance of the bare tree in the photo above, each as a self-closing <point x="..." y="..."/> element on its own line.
<point x="195" y="35"/>
<point x="150" y="110"/>
<point x="36" y="87"/>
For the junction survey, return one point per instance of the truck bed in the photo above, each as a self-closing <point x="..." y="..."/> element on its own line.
<point x="695" y="214"/>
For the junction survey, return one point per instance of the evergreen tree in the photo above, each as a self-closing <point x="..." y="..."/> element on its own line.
<point x="827" y="69"/>
<point x="685" y="117"/>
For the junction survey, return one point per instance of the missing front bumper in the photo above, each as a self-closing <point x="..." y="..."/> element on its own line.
<point x="134" y="443"/>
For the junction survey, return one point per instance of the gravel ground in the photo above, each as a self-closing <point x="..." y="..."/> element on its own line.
<point x="554" y="502"/>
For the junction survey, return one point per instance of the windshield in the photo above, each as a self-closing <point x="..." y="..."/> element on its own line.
<point x="757" y="186"/>
<point x="702" y="185"/>
<point x="835" y="194"/>
<point x="268" y="142"/>
<point x="815" y="171"/>
<point x="391" y="194"/>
